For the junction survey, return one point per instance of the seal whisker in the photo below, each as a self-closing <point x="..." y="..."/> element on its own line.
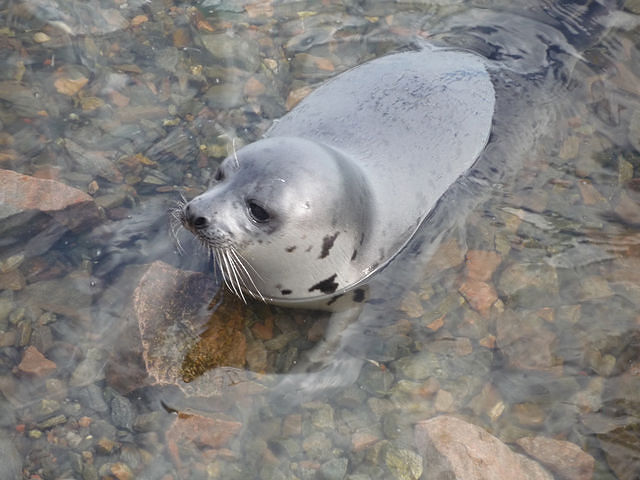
<point x="242" y="263"/>
<point x="235" y="153"/>
<point x="176" y="222"/>
<point x="233" y="275"/>
<point x="226" y="278"/>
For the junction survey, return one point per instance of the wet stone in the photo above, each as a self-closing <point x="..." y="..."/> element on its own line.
<point x="52" y="422"/>
<point x="230" y="51"/>
<point x="317" y="445"/>
<point x="92" y="397"/>
<point x="148" y="422"/>
<point x="33" y="362"/>
<point x="90" y="369"/>
<point x="375" y="380"/>
<point x="567" y="460"/>
<point x="528" y="285"/>
<point x="122" y="412"/>
<point x="404" y="464"/>
<point x="11" y="464"/>
<point x="334" y="469"/>
<point x="322" y="416"/>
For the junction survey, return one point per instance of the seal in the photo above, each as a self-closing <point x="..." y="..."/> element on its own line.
<point x="343" y="181"/>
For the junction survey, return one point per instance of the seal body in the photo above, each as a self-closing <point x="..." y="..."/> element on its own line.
<point x="342" y="182"/>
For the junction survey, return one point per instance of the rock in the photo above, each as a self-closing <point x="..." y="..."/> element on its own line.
<point x="565" y="459"/>
<point x="528" y="285"/>
<point x="93" y="162"/>
<point x="455" y="449"/>
<point x="481" y="264"/>
<point x="22" y="196"/>
<point x="232" y="51"/>
<point x="404" y="464"/>
<point x="90" y="369"/>
<point x="334" y="469"/>
<point x="622" y="450"/>
<point x="122" y="412"/>
<point x="525" y="341"/>
<point x="210" y="432"/>
<point x="480" y="295"/>
<point x="11" y="464"/>
<point x="628" y="207"/>
<point x="34" y="363"/>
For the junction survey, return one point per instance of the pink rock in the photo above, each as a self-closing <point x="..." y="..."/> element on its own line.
<point x="204" y="431"/>
<point x="481" y="264"/>
<point x="565" y="459"/>
<point x="22" y="193"/>
<point x="479" y="294"/>
<point x="35" y="363"/>
<point x="453" y="448"/>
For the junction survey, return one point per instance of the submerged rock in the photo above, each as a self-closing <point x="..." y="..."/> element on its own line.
<point x="567" y="460"/>
<point x="453" y="448"/>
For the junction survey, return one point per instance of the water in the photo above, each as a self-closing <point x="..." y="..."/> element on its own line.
<point x="516" y="308"/>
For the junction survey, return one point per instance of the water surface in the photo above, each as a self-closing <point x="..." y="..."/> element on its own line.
<point x="516" y="307"/>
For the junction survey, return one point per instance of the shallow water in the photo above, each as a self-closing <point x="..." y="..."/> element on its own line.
<point x="516" y="307"/>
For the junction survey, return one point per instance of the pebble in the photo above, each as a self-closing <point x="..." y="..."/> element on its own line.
<point x="34" y="363"/>
<point x="404" y="464"/>
<point x="334" y="469"/>
<point x="122" y="412"/>
<point x="92" y="397"/>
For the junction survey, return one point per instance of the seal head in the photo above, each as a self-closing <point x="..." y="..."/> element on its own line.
<point x="267" y="218"/>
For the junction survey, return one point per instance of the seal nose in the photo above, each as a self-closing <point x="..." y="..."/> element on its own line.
<point x="194" y="219"/>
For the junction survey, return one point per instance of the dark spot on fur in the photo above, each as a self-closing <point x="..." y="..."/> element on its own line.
<point x="354" y="254"/>
<point x="358" y="295"/>
<point x="361" y="238"/>
<point x="290" y="249"/>
<point x="285" y="292"/>
<point x="327" y="285"/>
<point x="333" y="299"/>
<point x="327" y="244"/>
<point x="309" y="248"/>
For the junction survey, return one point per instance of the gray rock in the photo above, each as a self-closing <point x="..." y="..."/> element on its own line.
<point x="334" y="469"/>
<point x="11" y="464"/>
<point x="122" y="412"/>
<point x="92" y="397"/>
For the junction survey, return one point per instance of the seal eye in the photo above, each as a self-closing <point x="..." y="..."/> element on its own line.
<point x="258" y="213"/>
<point x="219" y="176"/>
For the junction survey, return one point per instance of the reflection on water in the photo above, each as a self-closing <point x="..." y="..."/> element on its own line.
<point x="521" y="316"/>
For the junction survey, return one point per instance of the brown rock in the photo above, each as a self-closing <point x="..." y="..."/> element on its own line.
<point x="363" y="440"/>
<point x="565" y="459"/>
<point x="295" y="96"/>
<point x="448" y="255"/>
<point x="455" y="449"/>
<point x="480" y="295"/>
<point x="254" y="87"/>
<point x="481" y="264"/>
<point x="589" y="194"/>
<point x="13" y="280"/>
<point x="20" y="194"/>
<point x="525" y="341"/>
<point x="34" y="363"/>
<point x="203" y="431"/>
<point x="292" y="425"/>
<point x="628" y="209"/>
<point x="411" y="305"/>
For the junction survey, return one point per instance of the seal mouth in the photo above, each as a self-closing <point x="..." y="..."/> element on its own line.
<point x="237" y="272"/>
